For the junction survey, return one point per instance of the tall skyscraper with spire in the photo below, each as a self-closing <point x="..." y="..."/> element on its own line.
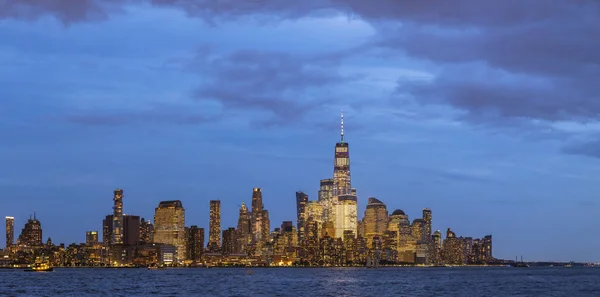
<point x="344" y="200"/>
<point x="117" y="226"/>
<point x="341" y="166"/>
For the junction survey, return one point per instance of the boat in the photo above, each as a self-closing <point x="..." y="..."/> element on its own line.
<point x="569" y="265"/>
<point x="40" y="267"/>
<point x="520" y="264"/>
<point x="155" y="267"/>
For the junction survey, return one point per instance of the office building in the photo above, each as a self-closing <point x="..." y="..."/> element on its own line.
<point x="169" y="226"/>
<point x="214" y="231"/>
<point x="31" y="235"/>
<point x="91" y="238"/>
<point x="195" y="244"/>
<point x="117" y="231"/>
<point x="10" y="232"/>
<point x="375" y="220"/>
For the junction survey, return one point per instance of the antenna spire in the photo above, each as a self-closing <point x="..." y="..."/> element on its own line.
<point x="342" y="126"/>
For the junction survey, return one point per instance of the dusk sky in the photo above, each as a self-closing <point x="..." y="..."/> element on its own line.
<point x="485" y="112"/>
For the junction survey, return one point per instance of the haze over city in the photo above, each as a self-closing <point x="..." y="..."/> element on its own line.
<point x="486" y="113"/>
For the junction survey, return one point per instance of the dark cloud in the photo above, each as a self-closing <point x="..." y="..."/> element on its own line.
<point x="121" y="118"/>
<point x="513" y="59"/>
<point x="287" y="87"/>
<point x="589" y="148"/>
<point x="67" y="11"/>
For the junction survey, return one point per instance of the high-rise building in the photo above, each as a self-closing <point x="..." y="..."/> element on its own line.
<point x="169" y="226"/>
<point x="326" y="198"/>
<point x="195" y="243"/>
<point x="107" y="230"/>
<point x="91" y="238"/>
<point x="341" y="168"/>
<point x="214" y="231"/>
<point x="427" y="219"/>
<point x="229" y="241"/>
<point x="146" y="231"/>
<point x="346" y="208"/>
<point x="117" y="232"/>
<point x="301" y="201"/>
<point x="31" y="235"/>
<point x="375" y="220"/>
<point x="244" y="235"/>
<point x="257" y="215"/>
<point x="266" y="226"/>
<point x="131" y="230"/>
<point x="10" y="231"/>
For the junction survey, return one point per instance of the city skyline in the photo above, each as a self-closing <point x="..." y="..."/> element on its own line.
<point x="481" y="114"/>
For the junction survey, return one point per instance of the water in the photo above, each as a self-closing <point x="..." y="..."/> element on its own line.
<point x="474" y="281"/>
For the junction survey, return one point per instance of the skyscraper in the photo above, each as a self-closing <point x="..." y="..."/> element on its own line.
<point x="169" y="226"/>
<point x="327" y="200"/>
<point x="341" y="167"/>
<point x="229" y="241"/>
<point x="146" y="231"/>
<point x="107" y="230"/>
<point x="257" y="215"/>
<point x="427" y="219"/>
<point x="346" y="208"/>
<point x="117" y="232"/>
<point x="10" y="231"/>
<point x="214" y="231"/>
<point x="195" y="243"/>
<point x="301" y="201"/>
<point x="91" y="238"/>
<point x="244" y="236"/>
<point x="31" y="235"/>
<point x="375" y="220"/>
<point x="131" y="230"/>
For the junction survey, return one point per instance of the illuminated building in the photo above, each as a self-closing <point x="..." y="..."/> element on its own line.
<point x="10" y="232"/>
<point x="376" y="219"/>
<point x="214" y="231"/>
<point x="314" y="210"/>
<point x="117" y="232"/>
<point x="418" y="230"/>
<point x="107" y="230"/>
<point x="346" y="208"/>
<point x="427" y="219"/>
<point x="486" y="243"/>
<point x="397" y="219"/>
<point x="301" y="201"/>
<point x="31" y="235"/>
<point x="266" y="226"/>
<point x="146" y="231"/>
<point x="327" y="200"/>
<point x="341" y="171"/>
<point x="453" y="249"/>
<point x="169" y="226"/>
<point x="91" y="238"/>
<point x="195" y="244"/>
<point x="244" y="236"/>
<point x="257" y="215"/>
<point x="229" y="241"/>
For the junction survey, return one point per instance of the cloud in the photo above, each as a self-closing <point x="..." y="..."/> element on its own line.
<point x="286" y="87"/>
<point x="588" y="148"/>
<point x="67" y="11"/>
<point x="111" y="118"/>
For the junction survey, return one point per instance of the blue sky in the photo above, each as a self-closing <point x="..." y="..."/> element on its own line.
<point x="484" y="112"/>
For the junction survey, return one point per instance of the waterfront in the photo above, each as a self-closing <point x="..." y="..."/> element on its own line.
<point x="455" y="281"/>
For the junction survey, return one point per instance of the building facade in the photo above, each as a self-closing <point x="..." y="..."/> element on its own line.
<point x="117" y="231"/>
<point x="214" y="231"/>
<point x="169" y="226"/>
<point x="10" y="231"/>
